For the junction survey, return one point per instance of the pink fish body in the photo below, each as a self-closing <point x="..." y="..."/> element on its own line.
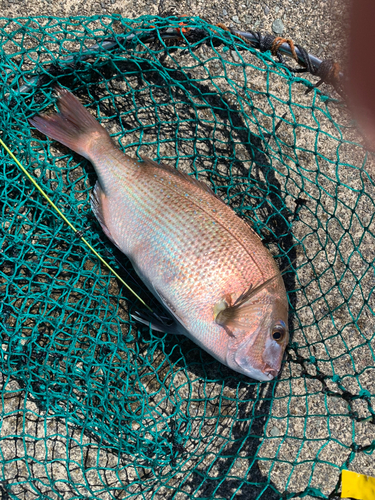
<point x="202" y="262"/>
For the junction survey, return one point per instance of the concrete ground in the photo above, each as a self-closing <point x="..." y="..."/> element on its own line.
<point x="304" y="422"/>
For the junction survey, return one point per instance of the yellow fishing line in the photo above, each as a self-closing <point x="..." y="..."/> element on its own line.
<point x="357" y="486"/>
<point x="69" y="223"/>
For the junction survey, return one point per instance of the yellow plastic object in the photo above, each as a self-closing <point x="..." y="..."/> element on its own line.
<point x="357" y="486"/>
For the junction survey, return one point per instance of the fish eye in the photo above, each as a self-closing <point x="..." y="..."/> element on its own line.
<point x="278" y="332"/>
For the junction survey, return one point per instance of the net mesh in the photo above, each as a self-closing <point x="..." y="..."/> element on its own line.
<point x="93" y="405"/>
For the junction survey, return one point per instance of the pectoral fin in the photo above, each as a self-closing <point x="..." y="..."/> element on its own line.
<point x="238" y="317"/>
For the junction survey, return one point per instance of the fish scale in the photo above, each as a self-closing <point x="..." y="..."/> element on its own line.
<point x="190" y="249"/>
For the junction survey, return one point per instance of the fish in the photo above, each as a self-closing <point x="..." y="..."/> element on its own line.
<point x="205" y="265"/>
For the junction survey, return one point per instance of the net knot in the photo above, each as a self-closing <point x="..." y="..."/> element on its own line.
<point x="328" y="71"/>
<point x="182" y="30"/>
<point x="277" y="43"/>
<point x="265" y="41"/>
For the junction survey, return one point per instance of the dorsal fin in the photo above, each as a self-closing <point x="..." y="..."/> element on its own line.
<point x="181" y="175"/>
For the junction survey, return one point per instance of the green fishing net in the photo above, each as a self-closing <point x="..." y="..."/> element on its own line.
<point x="94" y="405"/>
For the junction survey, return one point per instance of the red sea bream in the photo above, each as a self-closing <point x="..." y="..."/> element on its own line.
<point x="206" y="266"/>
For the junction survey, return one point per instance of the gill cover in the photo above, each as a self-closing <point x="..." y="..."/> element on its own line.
<point x="256" y="323"/>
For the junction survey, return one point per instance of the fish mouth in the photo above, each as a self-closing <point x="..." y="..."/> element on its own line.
<point x="265" y="374"/>
<point x="260" y="375"/>
<point x="271" y="372"/>
<point x="262" y="372"/>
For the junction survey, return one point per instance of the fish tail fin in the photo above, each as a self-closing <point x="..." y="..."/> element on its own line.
<point x="74" y="126"/>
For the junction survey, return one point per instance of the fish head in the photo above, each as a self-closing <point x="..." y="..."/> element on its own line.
<point x="260" y="352"/>
<point x="259" y="334"/>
